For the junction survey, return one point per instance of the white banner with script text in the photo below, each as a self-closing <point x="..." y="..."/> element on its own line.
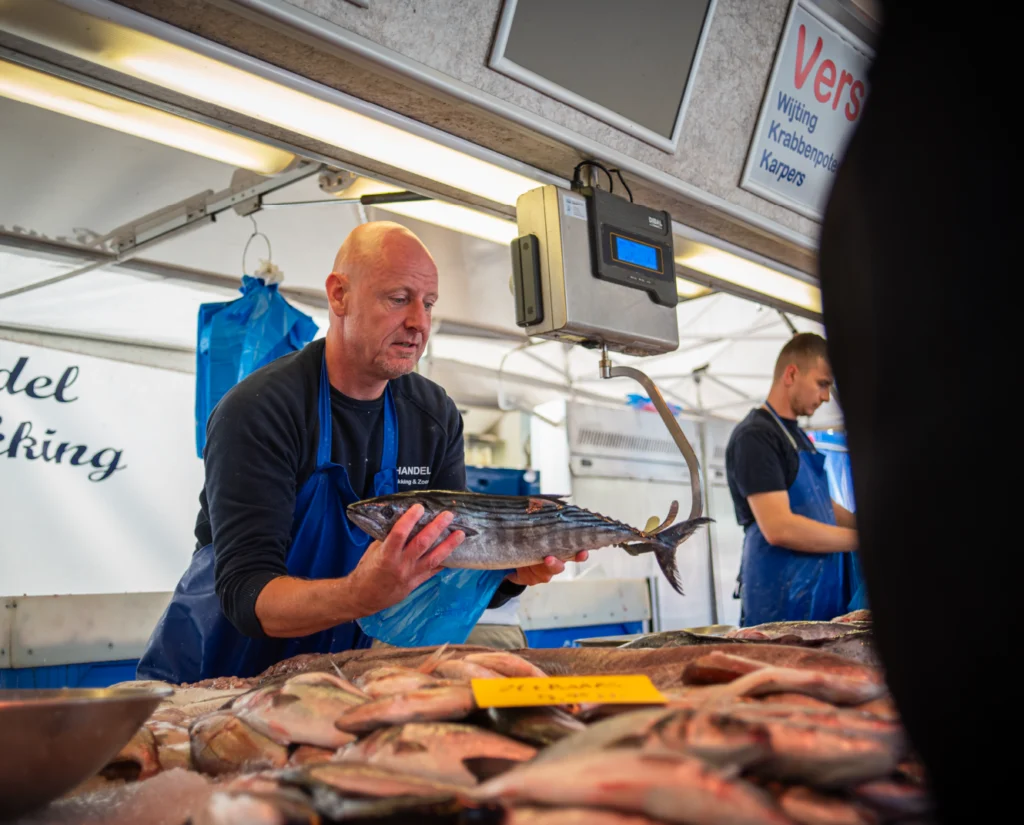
<point x="99" y="480"/>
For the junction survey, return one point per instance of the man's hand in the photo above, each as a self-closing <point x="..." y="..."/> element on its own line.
<point x="391" y="569"/>
<point x="542" y="573"/>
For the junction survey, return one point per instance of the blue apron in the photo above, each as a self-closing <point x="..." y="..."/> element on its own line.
<point x="194" y="640"/>
<point x="782" y="585"/>
<point x="857" y="585"/>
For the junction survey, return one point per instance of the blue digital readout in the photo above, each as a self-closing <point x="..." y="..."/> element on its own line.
<point x="635" y="253"/>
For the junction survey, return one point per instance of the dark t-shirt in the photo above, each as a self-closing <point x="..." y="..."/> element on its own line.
<point x="261" y="448"/>
<point x="760" y="459"/>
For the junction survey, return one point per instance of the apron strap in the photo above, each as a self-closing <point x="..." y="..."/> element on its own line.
<point x="389" y="450"/>
<point x="323" y="447"/>
<point x="785" y="431"/>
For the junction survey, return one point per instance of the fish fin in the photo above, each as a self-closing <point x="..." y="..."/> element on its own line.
<point x="673" y="511"/>
<point x="664" y="545"/>
<point x="536" y="504"/>
<point x="487" y="767"/>
<point x="433" y="660"/>
<point x="559" y="497"/>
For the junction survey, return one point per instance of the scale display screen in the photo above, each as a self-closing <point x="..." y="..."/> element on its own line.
<point x="635" y="253"/>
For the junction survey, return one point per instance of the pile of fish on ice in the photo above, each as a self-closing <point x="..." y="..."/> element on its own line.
<point x="752" y="733"/>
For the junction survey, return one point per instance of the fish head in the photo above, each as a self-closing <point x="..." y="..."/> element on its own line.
<point x="376" y="516"/>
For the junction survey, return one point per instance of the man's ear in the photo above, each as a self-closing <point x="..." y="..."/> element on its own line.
<point x="789" y="375"/>
<point x="337" y="288"/>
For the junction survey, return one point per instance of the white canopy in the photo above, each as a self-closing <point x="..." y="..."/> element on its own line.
<point x="72" y="182"/>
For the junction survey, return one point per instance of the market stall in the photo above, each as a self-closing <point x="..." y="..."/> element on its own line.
<point x="135" y="197"/>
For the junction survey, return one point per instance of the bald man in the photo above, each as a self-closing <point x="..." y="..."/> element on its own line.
<point x="279" y="570"/>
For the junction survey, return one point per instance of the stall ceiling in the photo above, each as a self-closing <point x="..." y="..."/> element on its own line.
<point x="70" y="180"/>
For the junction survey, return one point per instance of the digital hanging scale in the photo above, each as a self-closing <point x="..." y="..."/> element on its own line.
<point x="594" y="269"/>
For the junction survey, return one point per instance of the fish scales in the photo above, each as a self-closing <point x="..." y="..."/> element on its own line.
<point x="509" y="533"/>
<point x="503" y="532"/>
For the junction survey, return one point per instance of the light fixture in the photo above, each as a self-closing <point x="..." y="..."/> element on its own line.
<point x="174" y="67"/>
<point x="727" y="266"/>
<point x="58" y="95"/>
<point x="458" y="218"/>
<point x="367" y="186"/>
<point x="688" y="289"/>
<point x="440" y="213"/>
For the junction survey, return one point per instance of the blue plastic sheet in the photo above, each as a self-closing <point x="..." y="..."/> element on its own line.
<point x="445" y="608"/>
<point x="840" y="482"/>
<point x="238" y="337"/>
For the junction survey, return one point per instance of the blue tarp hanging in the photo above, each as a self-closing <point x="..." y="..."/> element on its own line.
<point x="840" y="485"/>
<point x="238" y="337"/>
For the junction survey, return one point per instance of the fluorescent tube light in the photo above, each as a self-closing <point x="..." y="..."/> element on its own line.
<point x="440" y="213"/>
<point x="756" y="277"/>
<point x="459" y="218"/>
<point x="174" y="67"/>
<point x="71" y="99"/>
<point x="688" y="289"/>
<point x="367" y="186"/>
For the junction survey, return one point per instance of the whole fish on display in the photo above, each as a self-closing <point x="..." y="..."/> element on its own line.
<point x="505" y="532"/>
<point x="783" y="632"/>
<point x="853" y="643"/>
<point x="753" y="733"/>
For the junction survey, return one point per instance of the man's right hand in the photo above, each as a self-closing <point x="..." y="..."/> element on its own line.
<point x="388" y="571"/>
<point x="391" y="569"/>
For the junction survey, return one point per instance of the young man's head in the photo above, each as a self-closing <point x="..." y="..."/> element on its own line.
<point x="802" y="373"/>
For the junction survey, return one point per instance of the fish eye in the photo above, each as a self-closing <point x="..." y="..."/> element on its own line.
<point x="387" y="511"/>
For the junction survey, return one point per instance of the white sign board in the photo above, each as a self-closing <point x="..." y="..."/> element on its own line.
<point x="99" y="480"/>
<point x="815" y="98"/>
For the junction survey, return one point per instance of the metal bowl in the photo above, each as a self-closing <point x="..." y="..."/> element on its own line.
<point x="55" y="739"/>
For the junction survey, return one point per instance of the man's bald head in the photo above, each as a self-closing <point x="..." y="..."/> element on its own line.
<point x="382" y="246"/>
<point x="381" y="292"/>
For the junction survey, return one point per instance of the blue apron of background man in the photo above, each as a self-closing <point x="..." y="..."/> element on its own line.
<point x="778" y="584"/>
<point x="194" y="639"/>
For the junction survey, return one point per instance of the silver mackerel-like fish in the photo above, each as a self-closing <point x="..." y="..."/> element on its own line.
<point x="518" y="531"/>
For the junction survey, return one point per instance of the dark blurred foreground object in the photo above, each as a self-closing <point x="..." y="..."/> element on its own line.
<point x="916" y="272"/>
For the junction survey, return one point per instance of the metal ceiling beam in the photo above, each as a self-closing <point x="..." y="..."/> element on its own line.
<point x="313" y="297"/>
<point x="705" y="340"/>
<point x="716" y="380"/>
<point x="113" y="348"/>
<point x="135" y="237"/>
<point x="742" y="376"/>
<point x="181" y="358"/>
<point x="469" y="329"/>
<point x="51" y="249"/>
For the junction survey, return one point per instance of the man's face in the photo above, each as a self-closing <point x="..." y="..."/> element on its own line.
<point x="809" y="388"/>
<point x="387" y="318"/>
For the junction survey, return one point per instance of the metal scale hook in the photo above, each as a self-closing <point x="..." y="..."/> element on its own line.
<point x="610" y="371"/>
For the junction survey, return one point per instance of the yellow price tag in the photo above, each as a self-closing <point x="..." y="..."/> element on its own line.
<point x="565" y="690"/>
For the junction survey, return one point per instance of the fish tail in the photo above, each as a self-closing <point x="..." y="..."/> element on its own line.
<point x="664" y="546"/>
<point x="431" y="663"/>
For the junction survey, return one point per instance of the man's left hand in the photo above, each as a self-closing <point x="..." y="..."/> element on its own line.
<point x="542" y="573"/>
